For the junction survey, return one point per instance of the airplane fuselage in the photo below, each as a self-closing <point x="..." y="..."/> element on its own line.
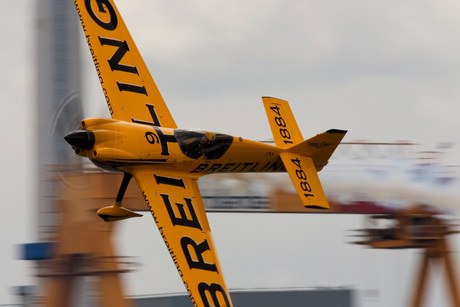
<point x="118" y="145"/>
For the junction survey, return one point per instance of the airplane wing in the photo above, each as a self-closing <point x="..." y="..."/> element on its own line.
<point x="175" y="203"/>
<point x="128" y="87"/>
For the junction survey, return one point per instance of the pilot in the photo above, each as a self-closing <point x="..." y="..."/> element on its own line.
<point x="208" y="138"/>
<point x="196" y="146"/>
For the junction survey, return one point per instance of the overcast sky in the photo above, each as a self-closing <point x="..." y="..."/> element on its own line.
<point x="383" y="70"/>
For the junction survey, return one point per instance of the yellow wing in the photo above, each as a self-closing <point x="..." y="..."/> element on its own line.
<point x="177" y="208"/>
<point x="128" y="87"/>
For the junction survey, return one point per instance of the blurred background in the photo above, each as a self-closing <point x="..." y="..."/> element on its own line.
<point x="386" y="72"/>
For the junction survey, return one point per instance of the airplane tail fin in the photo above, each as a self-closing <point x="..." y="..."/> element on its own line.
<point x="302" y="159"/>
<point x="320" y="147"/>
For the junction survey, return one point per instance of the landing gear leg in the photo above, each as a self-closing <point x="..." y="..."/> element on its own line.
<point x="124" y="185"/>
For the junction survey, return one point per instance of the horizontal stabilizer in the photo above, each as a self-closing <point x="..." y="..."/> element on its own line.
<point x="305" y="179"/>
<point x="320" y="147"/>
<point x="282" y="122"/>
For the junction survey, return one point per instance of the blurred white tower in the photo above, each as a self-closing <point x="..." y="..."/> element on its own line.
<point x="59" y="108"/>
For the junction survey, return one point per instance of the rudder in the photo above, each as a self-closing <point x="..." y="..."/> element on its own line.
<point x="320" y="147"/>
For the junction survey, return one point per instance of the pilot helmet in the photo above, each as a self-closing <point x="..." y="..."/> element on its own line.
<point x="211" y="136"/>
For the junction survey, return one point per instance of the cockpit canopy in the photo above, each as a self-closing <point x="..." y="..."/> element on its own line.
<point x="202" y="144"/>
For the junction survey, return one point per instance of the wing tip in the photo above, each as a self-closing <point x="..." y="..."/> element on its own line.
<point x="337" y="131"/>
<point x="274" y="98"/>
<point x="317" y="207"/>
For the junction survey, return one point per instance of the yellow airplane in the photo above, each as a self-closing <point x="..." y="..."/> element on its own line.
<point x="142" y="141"/>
